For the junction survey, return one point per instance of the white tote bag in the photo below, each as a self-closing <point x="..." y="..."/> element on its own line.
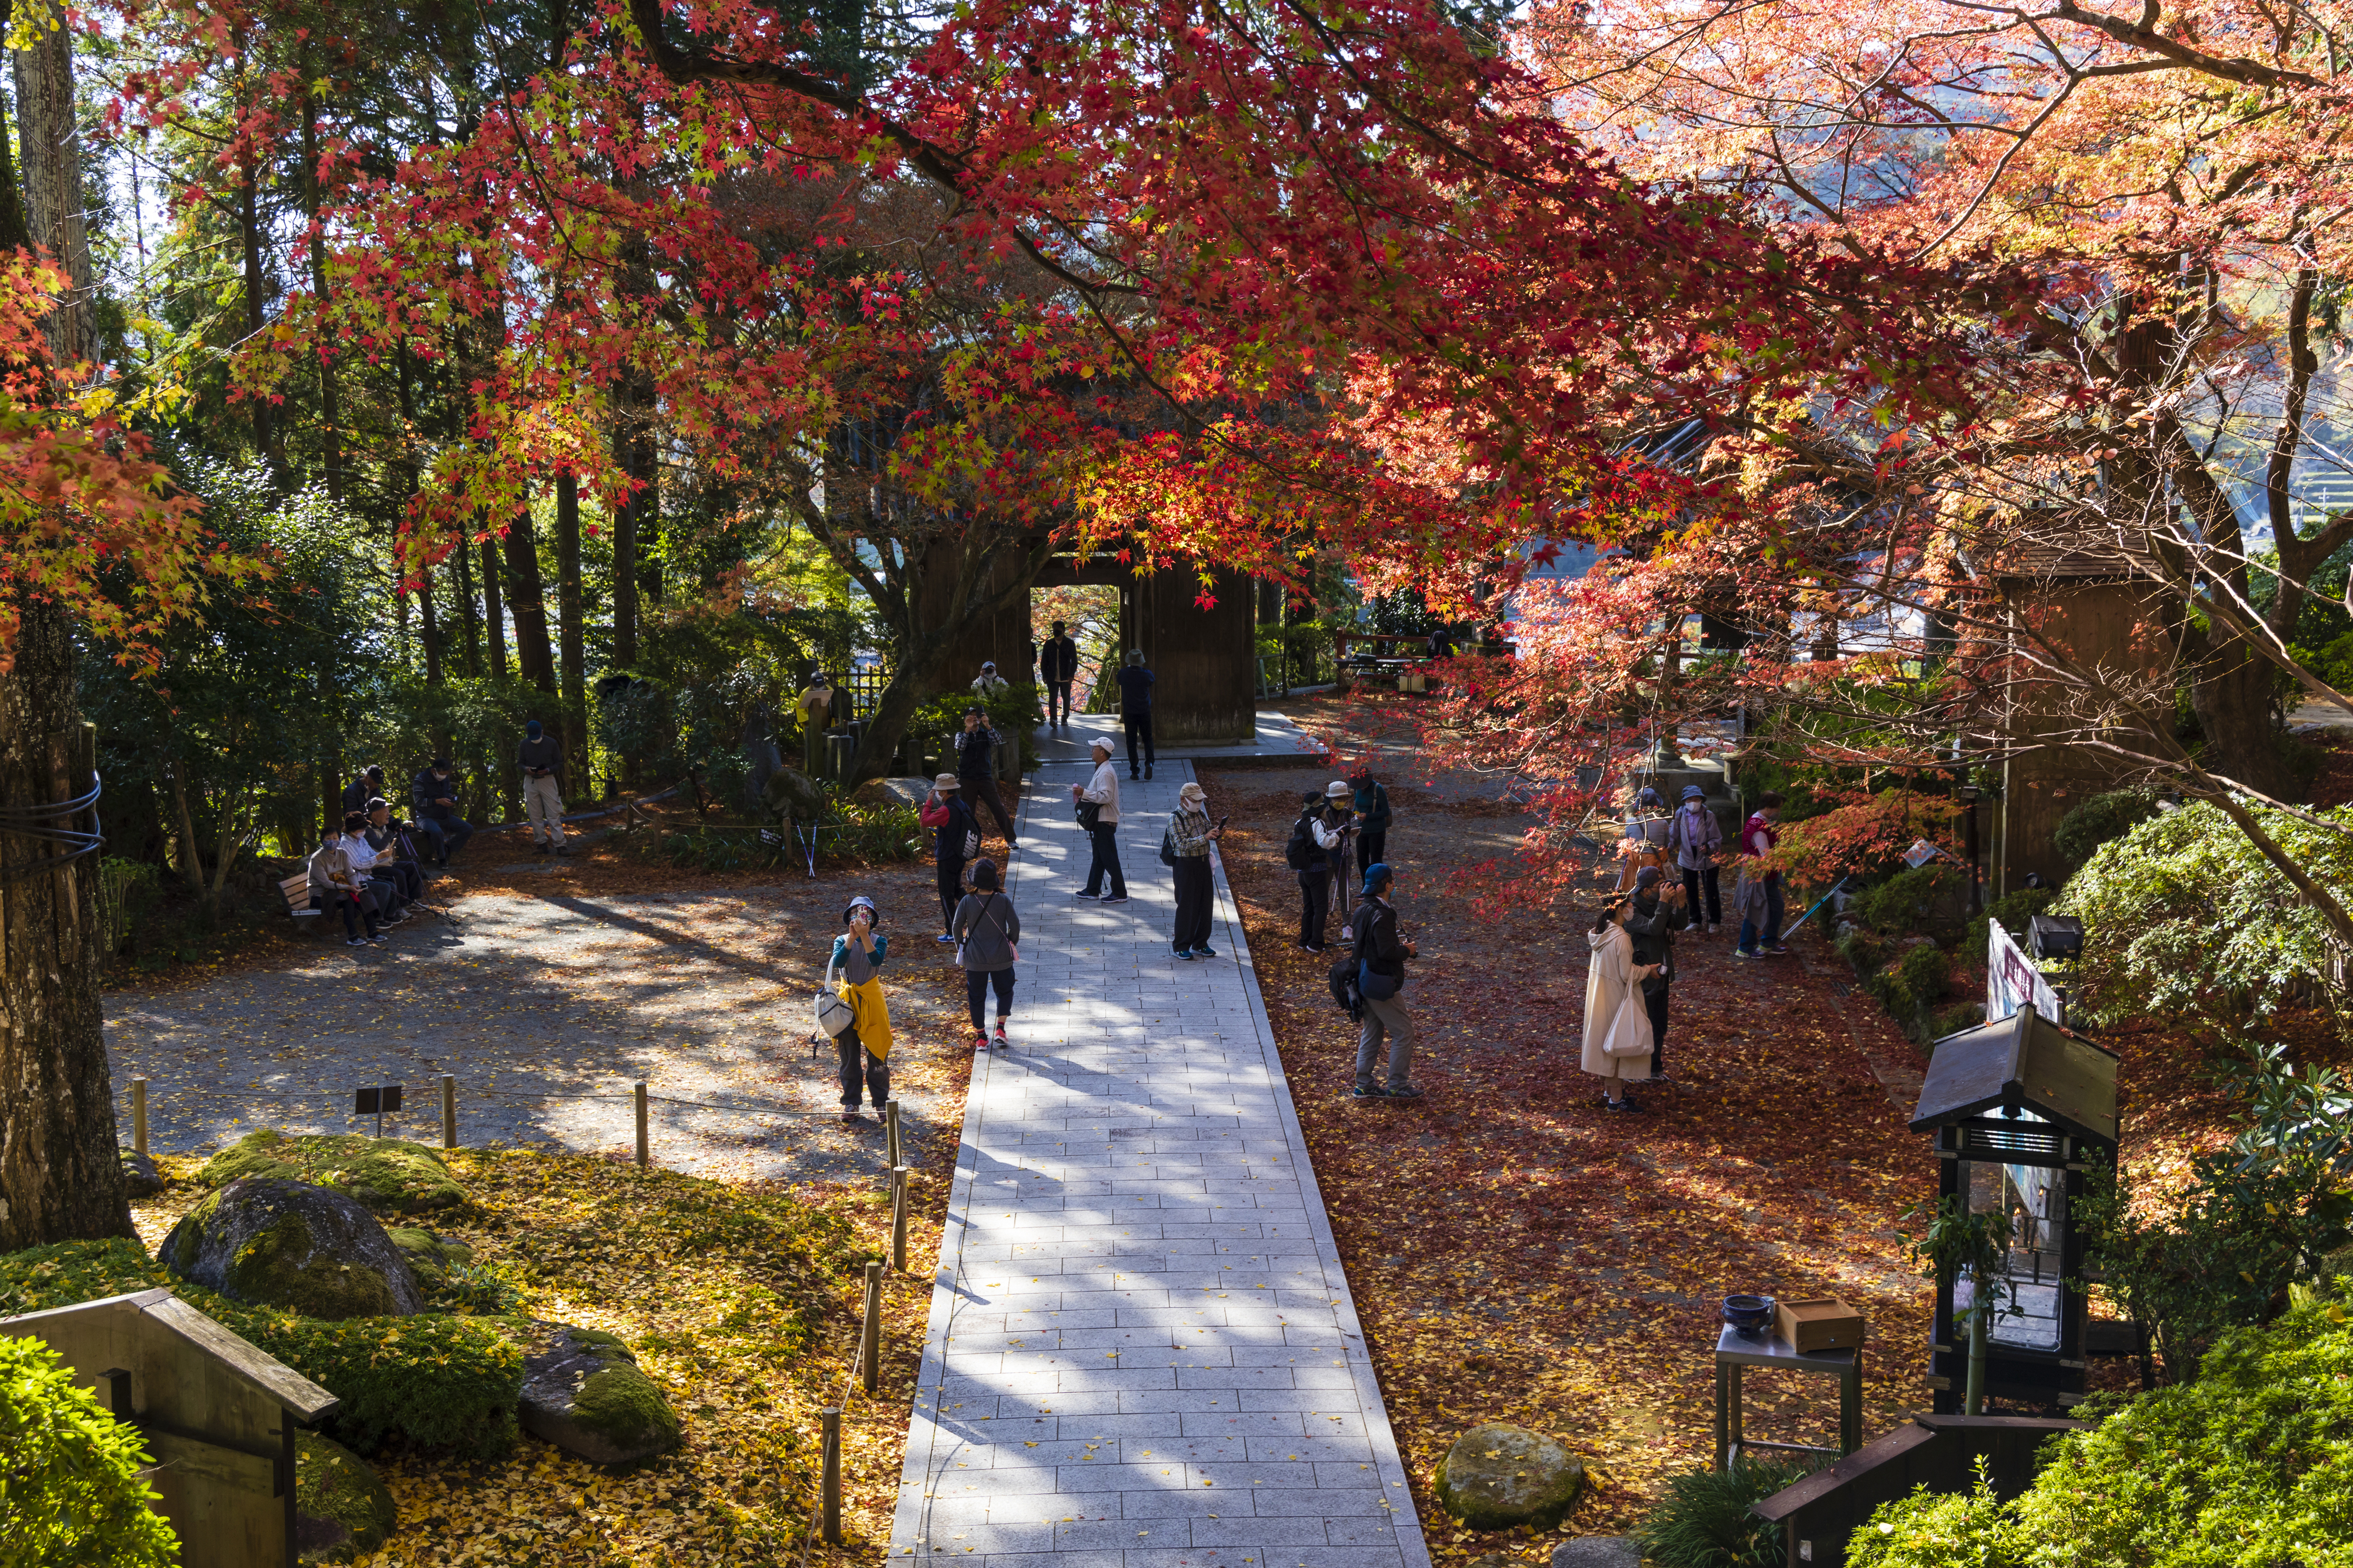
<point x="1630" y="1031"/>
<point x="834" y="1012"/>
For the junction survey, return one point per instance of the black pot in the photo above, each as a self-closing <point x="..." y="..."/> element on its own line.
<point x="1750" y="1316"/>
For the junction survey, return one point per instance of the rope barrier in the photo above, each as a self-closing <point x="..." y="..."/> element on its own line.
<point x="32" y="822"/>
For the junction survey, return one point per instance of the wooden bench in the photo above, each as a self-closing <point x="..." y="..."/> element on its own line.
<point x="296" y="888"/>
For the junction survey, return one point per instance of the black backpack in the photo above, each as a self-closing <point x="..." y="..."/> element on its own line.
<point x="1345" y="996"/>
<point x="1299" y="853"/>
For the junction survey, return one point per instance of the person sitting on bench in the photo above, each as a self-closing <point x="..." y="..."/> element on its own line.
<point x="376" y="877"/>
<point x="395" y="856"/>
<point x="369" y="782"/>
<point x="434" y="794"/>
<point x="335" y="885"/>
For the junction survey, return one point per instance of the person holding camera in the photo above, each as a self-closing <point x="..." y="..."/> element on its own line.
<point x="1190" y="834"/>
<point x="395" y="857"/>
<point x="1101" y="792"/>
<point x="956" y="840"/>
<point x="975" y="746"/>
<point x="1318" y="851"/>
<point x="433" y="794"/>
<point x="542" y="761"/>
<point x="1658" y="910"/>
<point x="865" y="1046"/>
<point x="1380" y="954"/>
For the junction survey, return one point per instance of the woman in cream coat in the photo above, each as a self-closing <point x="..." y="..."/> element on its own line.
<point x="1608" y="983"/>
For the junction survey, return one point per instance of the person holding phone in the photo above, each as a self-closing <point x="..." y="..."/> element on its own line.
<point x="1190" y="834"/>
<point x="865" y="1046"/>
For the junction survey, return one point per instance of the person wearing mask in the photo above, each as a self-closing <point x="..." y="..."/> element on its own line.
<point x="1135" y="684"/>
<point x="433" y="794"/>
<point x="1757" y="840"/>
<point x="865" y="1046"/>
<point x="376" y="879"/>
<point x="1381" y="954"/>
<point x="1101" y="792"/>
<point x="975" y="746"/>
<point x="956" y="840"/>
<point x="986" y="928"/>
<point x="1657" y="914"/>
<point x="1190" y="834"/>
<point x="541" y="762"/>
<point x="988" y="683"/>
<point x="1371" y="803"/>
<point x="336" y="884"/>
<point x="1319" y="842"/>
<point x="1058" y="666"/>
<point x="1695" y="839"/>
<point x="390" y="847"/>
<point x="361" y="790"/>
<point x="1609" y="984"/>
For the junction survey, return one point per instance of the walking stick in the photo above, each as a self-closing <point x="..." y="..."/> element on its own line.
<point x="1809" y="914"/>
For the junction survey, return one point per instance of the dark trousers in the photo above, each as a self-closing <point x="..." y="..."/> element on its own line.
<point x="1104" y="861"/>
<point x="951" y="891"/>
<point x="1194" y="893"/>
<point x="1656" y="1001"/>
<point x="976" y="984"/>
<point x="1139" y="728"/>
<point x="1315" y="906"/>
<point x="1694" y="881"/>
<point x="1775" y="908"/>
<point x="1058" y="702"/>
<point x="877" y="1071"/>
<point x="406" y="878"/>
<point x="354" y="909"/>
<point x="445" y="838"/>
<point x="1372" y="848"/>
<point x="983" y="792"/>
<point x="385" y="891"/>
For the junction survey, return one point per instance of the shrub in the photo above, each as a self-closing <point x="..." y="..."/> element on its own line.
<point x="2013" y="910"/>
<point x="1704" y="1522"/>
<point x="1955" y="1530"/>
<point x="1956" y="1017"/>
<point x="2099" y="819"/>
<point x="1924" y="899"/>
<point x="70" y="1490"/>
<point x="1865" y="953"/>
<point x="1927" y="973"/>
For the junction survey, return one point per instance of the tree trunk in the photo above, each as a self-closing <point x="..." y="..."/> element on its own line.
<point x="329" y="410"/>
<point x="468" y="612"/>
<point x="2230" y="689"/>
<point x="427" y="627"/>
<point x="60" y="1179"/>
<point x="494" y="614"/>
<point x="52" y="204"/>
<point x="527" y="603"/>
<point x="571" y="631"/>
<point x="633" y="447"/>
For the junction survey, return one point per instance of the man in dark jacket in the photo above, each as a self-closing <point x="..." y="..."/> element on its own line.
<point x="542" y="761"/>
<point x="1135" y="709"/>
<point x="975" y="746"/>
<point x="1058" y="666"/>
<point x="1319" y="841"/>
<point x="1372" y="807"/>
<point x="955" y="841"/>
<point x="1657" y="916"/>
<point x="433" y="793"/>
<point x="1381" y="954"/>
<point x="364" y="788"/>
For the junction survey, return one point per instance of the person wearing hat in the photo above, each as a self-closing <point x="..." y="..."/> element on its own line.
<point x="433" y="794"/>
<point x="956" y="839"/>
<point x="988" y="683"/>
<point x="1646" y="837"/>
<point x="364" y="788"/>
<point x="1380" y="954"/>
<point x="1656" y="913"/>
<point x="1101" y="792"/>
<point x="1190" y="834"/>
<point x="395" y="857"/>
<point x="1696" y="840"/>
<point x="1058" y="666"/>
<point x="1135" y="683"/>
<point x="542" y="761"/>
<point x="986" y="928"/>
<point x="1318" y="851"/>
<point x="1371" y="804"/>
<point x="975" y="746"/>
<point x="865" y="1046"/>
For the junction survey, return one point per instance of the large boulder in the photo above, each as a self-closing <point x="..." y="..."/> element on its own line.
<point x="1497" y="1477"/>
<point x="582" y="1390"/>
<point x="790" y="793"/>
<point x="389" y="1175"/>
<point x="430" y="1255"/>
<point x="269" y="1243"/>
<point x="343" y="1509"/>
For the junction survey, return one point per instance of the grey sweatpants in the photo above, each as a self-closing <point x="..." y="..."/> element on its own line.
<point x="1385" y="1020"/>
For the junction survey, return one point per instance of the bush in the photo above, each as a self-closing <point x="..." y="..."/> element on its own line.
<point x="1704" y="1521"/>
<point x="1958" y="1016"/>
<point x="1863" y="952"/>
<point x="1927" y="973"/>
<point x="2099" y="819"/>
<point x="70" y="1490"/>
<point x="1955" y="1530"/>
<point x="1925" y="898"/>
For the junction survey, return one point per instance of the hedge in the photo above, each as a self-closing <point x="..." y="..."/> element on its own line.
<point x="70" y="1490"/>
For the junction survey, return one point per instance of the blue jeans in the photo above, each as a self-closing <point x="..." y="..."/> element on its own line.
<point x="1774" y="909"/>
<point x="446" y="837"/>
<point x="1749" y="936"/>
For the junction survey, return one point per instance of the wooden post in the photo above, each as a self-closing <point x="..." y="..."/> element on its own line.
<point x="139" y="1115"/>
<point x="641" y="1124"/>
<point x="899" y="1174"/>
<point x="890" y="1132"/>
<point x="869" y="1348"/>
<point x="830" y="1487"/>
<point x="449" y="1111"/>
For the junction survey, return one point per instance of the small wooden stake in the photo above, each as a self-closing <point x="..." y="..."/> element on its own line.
<point x="890" y="1132"/>
<point x="869" y="1348"/>
<point x="449" y="1111"/>
<point x="899" y="1174"/>
<point x="642" y="1160"/>
<point x="139" y="1115"/>
<point x="829" y="1488"/>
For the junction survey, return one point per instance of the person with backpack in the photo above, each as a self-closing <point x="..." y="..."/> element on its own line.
<point x="1318" y="842"/>
<point x="956" y="842"/>
<point x="1646" y="837"/>
<point x="975" y="746"/>
<point x="1372" y="807"/>
<point x="1380" y="954"/>
<point x="1185" y="849"/>
<point x="1097" y="805"/>
<point x="865" y="1046"/>
<point x="1695" y="838"/>
<point x="986" y="928"/>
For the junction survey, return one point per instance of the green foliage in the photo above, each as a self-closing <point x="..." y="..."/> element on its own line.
<point x="70" y="1492"/>
<point x="2242" y="1467"/>
<point x="1862" y="950"/>
<point x="1960" y="1015"/>
<point x="1924" y="899"/>
<point x="1015" y="711"/>
<point x="389" y="1175"/>
<point x="2013" y="910"/>
<point x="2099" y="819"/>
<point x="1704" y="1522"/>
<point x="125" y="888"/>
<point x="2183" y="915"/>
<point x="1927" y="971"/>
<point x="332" y="1483"/>
<point x="2265" y="1212"/>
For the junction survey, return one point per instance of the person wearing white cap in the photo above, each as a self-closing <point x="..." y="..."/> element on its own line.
<point x="1190" y="834"/>
<point x="1097" y="805"/>
<point x="957" y="841"/>
<point x="1318" y="851"/>
<point x="988" y="683"/>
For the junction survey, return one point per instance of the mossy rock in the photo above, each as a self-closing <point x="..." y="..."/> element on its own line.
<point x="582" y="1390"/>
<point x="343" y="1509"/>
<point x="390" y="1175"/>
<point x="141" y="1176"/>
<point x="270" y="1243"/>
<point x="430" y="1256"/>
<point x="1498" y="1477"/>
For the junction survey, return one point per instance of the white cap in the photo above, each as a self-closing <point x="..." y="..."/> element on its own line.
<point x="1102" y="743"/>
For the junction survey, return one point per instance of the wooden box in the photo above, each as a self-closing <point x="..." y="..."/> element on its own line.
<point x="1825" y="1323"/>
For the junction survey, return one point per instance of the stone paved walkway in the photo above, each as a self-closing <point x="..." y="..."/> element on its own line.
<point x="1142" y="1351"/>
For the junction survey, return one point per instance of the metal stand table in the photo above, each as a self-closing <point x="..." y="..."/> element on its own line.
<point x="1735" y="1354"/>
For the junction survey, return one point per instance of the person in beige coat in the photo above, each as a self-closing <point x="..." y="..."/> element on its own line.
<point x="1609" y="984"/>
